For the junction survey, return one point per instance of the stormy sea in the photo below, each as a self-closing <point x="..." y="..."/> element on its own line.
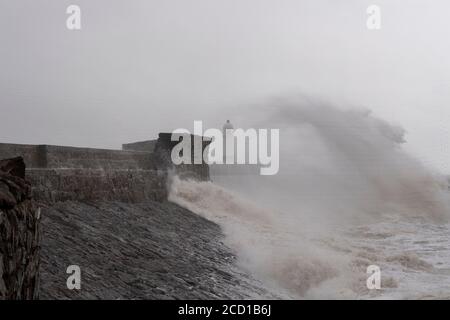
<point x="347" y="197"/>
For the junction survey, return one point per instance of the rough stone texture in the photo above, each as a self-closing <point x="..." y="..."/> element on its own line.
<point x="150" y="250"/>
<point x="31" y="154"/>
<point x="19" y="234"/>
<point x="48" y="156"/>
<point x="59" y="173"/>
<point x="52" y="185"/>
<point x="89" y="158"/>
<point x="106" y="211"/>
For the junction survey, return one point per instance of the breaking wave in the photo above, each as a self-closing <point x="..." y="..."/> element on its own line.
<point x="340" y="170"/>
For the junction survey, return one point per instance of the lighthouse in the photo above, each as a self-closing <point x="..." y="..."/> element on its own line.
<point x="228" y="142"/>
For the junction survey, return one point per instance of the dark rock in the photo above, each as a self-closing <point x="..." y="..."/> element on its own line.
<point x="19" y="234"/>
<point x="14" y="167"/>
<point x="7" y="199"/>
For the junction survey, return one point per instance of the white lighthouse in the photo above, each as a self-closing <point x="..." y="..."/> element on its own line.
<point x="228" y="142"/>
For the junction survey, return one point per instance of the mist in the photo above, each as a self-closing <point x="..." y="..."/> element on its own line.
<point x="134" y="70"/>
<point x="342" y="168"/>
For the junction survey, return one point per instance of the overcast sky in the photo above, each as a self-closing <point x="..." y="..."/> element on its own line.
<point x="140" y="67"/>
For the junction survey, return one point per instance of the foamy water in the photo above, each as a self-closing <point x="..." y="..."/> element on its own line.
<point x="414" y="256"/>
<point x="347" y="196"/>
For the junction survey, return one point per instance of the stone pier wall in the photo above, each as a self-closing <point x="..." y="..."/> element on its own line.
<point x="49" y="156"/>
<point x="139" y="173"/>
<point x="53" y="185"/>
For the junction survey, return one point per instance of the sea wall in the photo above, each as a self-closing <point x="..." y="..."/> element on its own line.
<point x="78" y="180"/>
<point x="89" y="158"/>
<point x="59" y="173"/>
<point x="34" y="156"/>
<point x="53" y="185"/>
<point x="147" y="146"/>
<point x="49" y="156"/>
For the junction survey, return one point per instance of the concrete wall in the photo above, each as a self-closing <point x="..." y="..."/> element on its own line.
<point x="59" y="173"/>
<point x="33" y="155"/>
<point x="147" y="146"/>
<point x="52" y="185"/>
<point x="88" y="158"/>
<point x="48" y="156"/>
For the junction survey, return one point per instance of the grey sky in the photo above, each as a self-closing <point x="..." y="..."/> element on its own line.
<point x="140" y="67"/>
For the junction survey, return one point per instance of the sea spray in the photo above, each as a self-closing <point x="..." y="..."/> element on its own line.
<point x="288" y="263"/>
<point x="338" y="169"/>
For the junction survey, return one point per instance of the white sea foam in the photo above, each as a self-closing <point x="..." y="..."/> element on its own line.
<point x="347" y="196"/>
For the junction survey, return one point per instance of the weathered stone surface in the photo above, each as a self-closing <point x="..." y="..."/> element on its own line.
<point x="48" y="156"/>
<point x="59" y="173"/>
<point x="52" y="185"/>
<point x="150" y="250"/>
<point x="19" y="234"/>
<point x="106" y="211"/>
<point x="146" y="146"/>
<point x="31" y="154"/>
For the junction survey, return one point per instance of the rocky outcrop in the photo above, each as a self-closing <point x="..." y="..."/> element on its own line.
<point x="19" y="234"/>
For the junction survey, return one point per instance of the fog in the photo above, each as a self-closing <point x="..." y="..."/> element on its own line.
<point x="141" y="67"/>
